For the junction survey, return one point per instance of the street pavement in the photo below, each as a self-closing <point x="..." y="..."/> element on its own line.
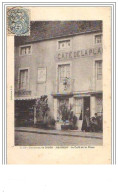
<point x="29" y="136"/>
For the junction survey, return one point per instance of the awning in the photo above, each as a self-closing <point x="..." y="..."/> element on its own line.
<point x="86" y="93"/>
<point x="26" y="98"/>
<point x="62" y="95"/>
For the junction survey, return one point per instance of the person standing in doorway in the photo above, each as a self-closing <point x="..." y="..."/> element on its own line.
<point x="86" y="120"/>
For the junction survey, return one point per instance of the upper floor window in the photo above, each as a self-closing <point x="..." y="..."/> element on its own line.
<point x="98" y="39"/>
<point x="25" y="50"/>
<point x="64" y="72"/>
<point x="64" y="44"/>
<point x="23" y="84"/>
<point x="99" y="69"/>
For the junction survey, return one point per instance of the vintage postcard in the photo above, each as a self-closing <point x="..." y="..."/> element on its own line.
<point x="58" y="84"/>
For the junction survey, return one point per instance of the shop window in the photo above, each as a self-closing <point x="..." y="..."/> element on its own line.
<point x="99" y="69"/>
<point x="61" y="102"/>
<point x="99" y="105"/>
<point x="64" y="101"/>
<point x="64" y="44"/>
<point x="25" y="50"/>
<point x="98" y="39"/>
<point x="79" y="108"/>
<point x="23" y="79"/>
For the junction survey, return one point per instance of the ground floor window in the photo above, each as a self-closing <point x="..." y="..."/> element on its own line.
<point x="24" y="112"/>
<point x="86" y="104"/>
<point x="99" y="105"/>
<point x="23" y="83"/>
<point x="79" y="108"/>
<point x="62" y="101"/>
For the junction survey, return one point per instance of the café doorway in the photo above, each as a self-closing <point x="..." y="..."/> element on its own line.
<point x="86" y="103"/>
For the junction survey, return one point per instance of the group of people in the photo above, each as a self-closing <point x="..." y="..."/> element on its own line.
<point x="93" y="124"/>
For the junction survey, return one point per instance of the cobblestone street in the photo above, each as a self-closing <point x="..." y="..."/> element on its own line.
<point x="36" y="137"/>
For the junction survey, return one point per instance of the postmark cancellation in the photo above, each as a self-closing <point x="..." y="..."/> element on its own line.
<point x="18" y="21"/>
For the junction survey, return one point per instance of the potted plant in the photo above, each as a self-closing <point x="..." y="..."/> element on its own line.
<point x="67" y="117"/>
<point x="58" y="124"/>
<point x="51" y="123"/>
<point x="42" y="111"/>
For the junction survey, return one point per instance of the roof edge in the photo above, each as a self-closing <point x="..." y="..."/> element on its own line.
<point x="69" y="35"/>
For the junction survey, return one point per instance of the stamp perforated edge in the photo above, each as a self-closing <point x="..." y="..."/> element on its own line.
<point x="9" y="32"/>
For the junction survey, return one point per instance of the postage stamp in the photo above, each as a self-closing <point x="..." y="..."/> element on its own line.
<point x="18" y="22"/>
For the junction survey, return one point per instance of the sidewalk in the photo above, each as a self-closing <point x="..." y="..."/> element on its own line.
<point x="73" y="133"/>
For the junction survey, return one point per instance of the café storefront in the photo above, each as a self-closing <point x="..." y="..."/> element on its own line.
<point x="81" y="100"/>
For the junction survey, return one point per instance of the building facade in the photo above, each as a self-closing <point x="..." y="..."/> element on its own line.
<point x="62" y="60"/>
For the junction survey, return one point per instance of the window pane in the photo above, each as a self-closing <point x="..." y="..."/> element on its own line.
<point x="99" y="69"/>
<point x="99" y="105"/>
<point x="78" y="107"/>
<point x="25" y="50"/>
<point x="98" y="39"/>
<point x="68" y="71"/>
<point x="68" y="43"/>
<point x="64" y="71"/>
<point x="64" y="101"/>
<point x="99" y="76"/>
<point x="64" y="44"/>
<point x="28" y="50"/>
<point x="23" y="79"/>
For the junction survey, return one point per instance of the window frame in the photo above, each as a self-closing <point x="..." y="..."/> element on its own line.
<point x="23" y="46"/>
<point x="98" y="34"/>
<point x="75" y="106"/>
<point x="96" y="69"/>
<point x="20" y="69"/>
<point x="63" y="65"/>
<point x="57" y="71"/>
<point x="59" y="104"/>
<point x="97" y="105"/>
<point x="61" y="40"/>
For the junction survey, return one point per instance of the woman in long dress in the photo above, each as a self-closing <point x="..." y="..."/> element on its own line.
<point x="86" y="121"/>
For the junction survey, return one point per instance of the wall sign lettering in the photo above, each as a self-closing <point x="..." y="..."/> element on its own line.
<point x="79" y="53"/>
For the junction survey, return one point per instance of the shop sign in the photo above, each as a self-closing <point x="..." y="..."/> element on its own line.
<point x="68" y="55"/>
